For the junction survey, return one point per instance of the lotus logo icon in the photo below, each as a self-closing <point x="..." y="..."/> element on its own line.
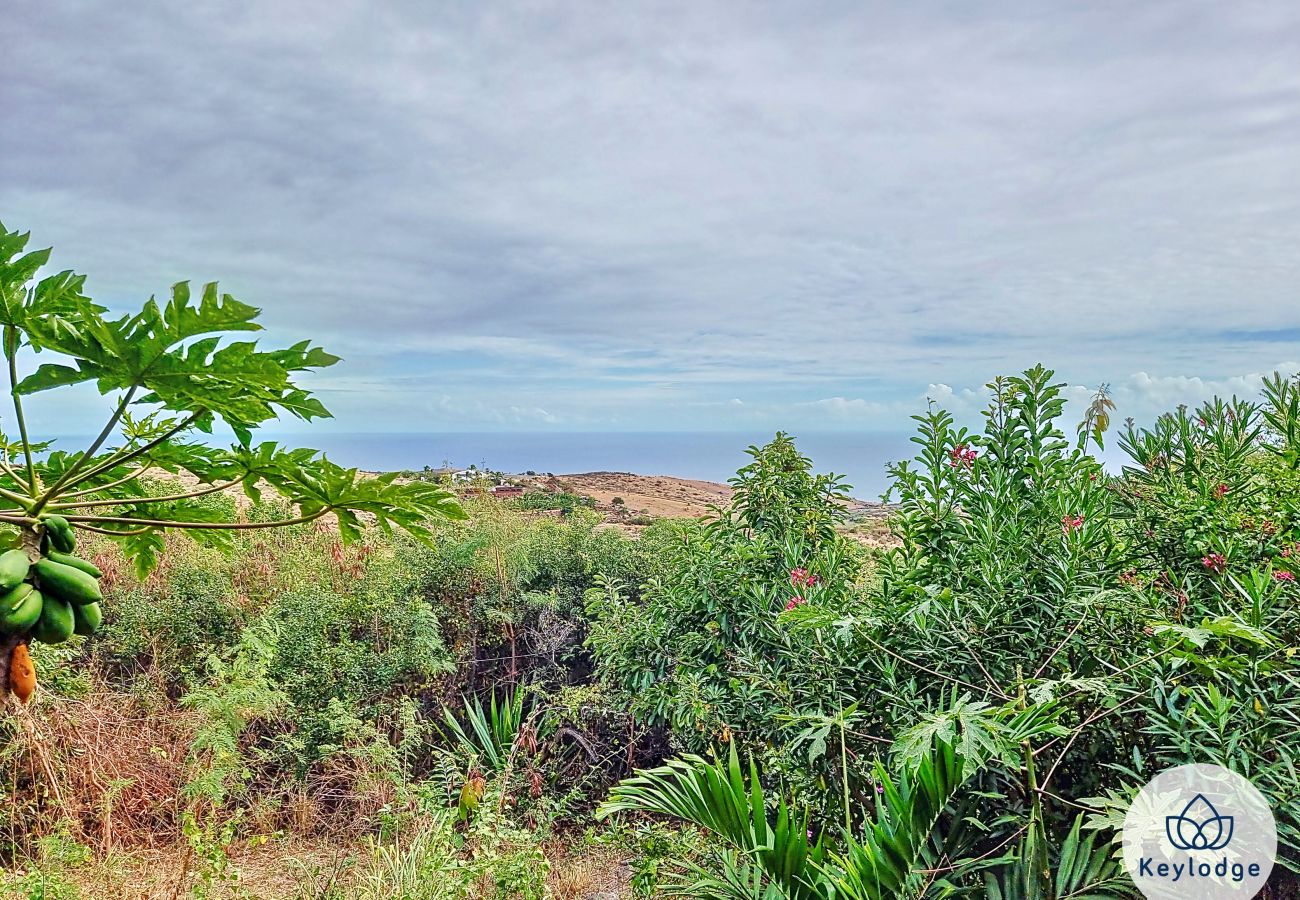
<point x="1199" y="826"/>
<point x="1219" y="846"/>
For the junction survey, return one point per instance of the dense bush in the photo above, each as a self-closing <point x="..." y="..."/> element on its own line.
<point x="710" y="649"/>
<point x="1044" y="639"/>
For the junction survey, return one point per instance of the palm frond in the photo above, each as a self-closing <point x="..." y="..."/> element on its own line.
<point x="883" y="864"/>
<point x="722" y="798"/>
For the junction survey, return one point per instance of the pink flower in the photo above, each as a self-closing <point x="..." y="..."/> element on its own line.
<point x="1221" y="490"/>
<point x="802" y="578"/>
<point x="1283" y="575"/>
<point x="794" y="601"/>
<point x="1287" y="551"/>
<point x="1070" y="524"/>
<point x="961" y="455"/>
<point x="1214" y="562"/>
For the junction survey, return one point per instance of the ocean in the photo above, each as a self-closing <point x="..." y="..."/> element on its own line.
<point x="860" y="457"/>
<point x="711" y="456"/>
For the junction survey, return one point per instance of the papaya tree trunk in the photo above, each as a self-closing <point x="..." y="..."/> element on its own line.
<point x="11" y="642"/>
<point x="8" y="645"/>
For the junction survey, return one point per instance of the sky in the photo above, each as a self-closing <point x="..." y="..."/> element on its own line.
<point x="644" y="216"/>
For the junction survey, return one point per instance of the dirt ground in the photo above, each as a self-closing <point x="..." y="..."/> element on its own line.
<point x="653" y="495"/>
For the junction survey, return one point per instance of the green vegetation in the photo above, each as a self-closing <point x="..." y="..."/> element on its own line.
<point x="500" y="703"/>
<point x="565" y="501"/>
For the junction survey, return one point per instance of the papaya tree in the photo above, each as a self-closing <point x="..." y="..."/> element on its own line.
<point x="172" y="374"/>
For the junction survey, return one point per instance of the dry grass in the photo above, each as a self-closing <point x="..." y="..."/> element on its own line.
<point x="110" y="764"/>
<point x="587" y="872"/>
<point x="296" y="869"/>
<point x="277" y="871"/>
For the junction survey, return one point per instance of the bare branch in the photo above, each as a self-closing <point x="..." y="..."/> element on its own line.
<point x="1061" y="646"/>
<point x="126" y="501"/>
<point x="167" y="523"/>
<point x="928" y="671"/>
<point x="72" y="470"/>
<point x="125" y="532"/>
<point x="121" y="457"/>
<point x="85" y="492"/>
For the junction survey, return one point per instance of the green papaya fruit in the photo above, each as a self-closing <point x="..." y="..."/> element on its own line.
<point x="15" y="595"/>
<point x="87" y="618"/>
<point x="67" y="583"/>
<point x="13" y="568"/>
<point x="56" y="623"/>
<point x="20" y="607"/>
<point x="61" y="535"/>
<point x="76" y="562"/>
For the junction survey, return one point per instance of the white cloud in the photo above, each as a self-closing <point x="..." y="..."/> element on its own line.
<point x="630" y="216"/>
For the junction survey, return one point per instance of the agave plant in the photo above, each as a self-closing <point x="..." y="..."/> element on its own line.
<point x="488" y="734"/>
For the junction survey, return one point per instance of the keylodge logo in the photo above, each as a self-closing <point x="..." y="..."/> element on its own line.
<point x="1199" y="826"/>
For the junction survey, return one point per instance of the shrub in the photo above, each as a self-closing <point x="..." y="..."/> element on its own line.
<point x="709" y="648"/>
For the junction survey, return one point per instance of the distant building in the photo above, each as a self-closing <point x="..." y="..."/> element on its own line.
<point x="452" y="472"/>
<point x="507" y="490"/>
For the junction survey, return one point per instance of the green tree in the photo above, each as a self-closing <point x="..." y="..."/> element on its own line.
<point x="173" y="374"/>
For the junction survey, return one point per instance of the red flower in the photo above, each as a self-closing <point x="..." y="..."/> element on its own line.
<point x="795" y="601"/>
<point x="1221" y="490"/>
<point x="1071" y="524"/>
<point x="1283" y="575"/>
<point x="1214" y="562"/>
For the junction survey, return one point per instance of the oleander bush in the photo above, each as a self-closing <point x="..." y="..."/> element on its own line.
<point x="1044" y="639"/>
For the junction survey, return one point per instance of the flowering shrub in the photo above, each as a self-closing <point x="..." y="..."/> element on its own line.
<point x="1070" y="632"/>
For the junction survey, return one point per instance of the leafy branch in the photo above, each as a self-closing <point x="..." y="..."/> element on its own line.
<point x="174" y="373"/>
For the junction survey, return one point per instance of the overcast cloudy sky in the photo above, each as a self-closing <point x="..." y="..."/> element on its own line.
<point x="672" y="216"/>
